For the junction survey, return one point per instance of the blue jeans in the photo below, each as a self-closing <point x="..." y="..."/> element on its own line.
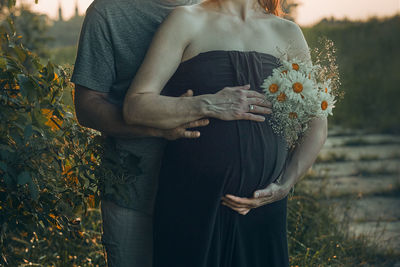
<point x="127" y="236"/>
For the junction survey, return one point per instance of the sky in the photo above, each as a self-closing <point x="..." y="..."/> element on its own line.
<point x="309" y="12"/>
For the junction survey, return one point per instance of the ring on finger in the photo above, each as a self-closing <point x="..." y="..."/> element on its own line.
<point x="251" y="107"/>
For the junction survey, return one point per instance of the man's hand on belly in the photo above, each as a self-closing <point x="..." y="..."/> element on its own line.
<point x="274" y="192"/>
<point x="182" y="131"/>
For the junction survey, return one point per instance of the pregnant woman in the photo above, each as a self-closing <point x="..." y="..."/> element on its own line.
<point x="206" y="47"/>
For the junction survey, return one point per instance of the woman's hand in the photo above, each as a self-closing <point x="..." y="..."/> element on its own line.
<point x="273" y="192"/>
<point x="304" y="155"/>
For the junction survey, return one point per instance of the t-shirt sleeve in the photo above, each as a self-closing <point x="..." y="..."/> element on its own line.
<point x="95" y="65"/>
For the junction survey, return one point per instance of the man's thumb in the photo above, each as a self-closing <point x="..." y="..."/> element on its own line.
<point x="188" y="93"/>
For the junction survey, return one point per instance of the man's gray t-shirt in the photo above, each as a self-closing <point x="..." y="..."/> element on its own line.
<point x="114" y="39"/>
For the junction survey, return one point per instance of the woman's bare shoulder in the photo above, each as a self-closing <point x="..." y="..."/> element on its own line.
<point x="287" y="28"/>
<point x="291" y="34"/>
<point x="186" y="18"/>
<point x="188" y="13"/>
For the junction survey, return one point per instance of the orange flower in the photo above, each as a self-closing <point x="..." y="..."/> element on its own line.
<point x="297" y="87"/>
<point x="324" y="105"/>
<point x="326" y="90"/>
<point x="91" y="201"/>
<point x="273" y="88"/>
<point x="52" y="121"/>
<point x="281" y="97"/>
<point x="293" y="115"/>
<point x="295" y="66"/>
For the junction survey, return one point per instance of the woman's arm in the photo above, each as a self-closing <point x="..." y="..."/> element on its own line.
<point x="143" y="103"/>
<point x="305" y="153"/>
<point x="300" y="161"/>
<point x="301" y="158"/>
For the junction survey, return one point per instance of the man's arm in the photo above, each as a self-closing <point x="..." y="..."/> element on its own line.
<point x="93" y="110"/>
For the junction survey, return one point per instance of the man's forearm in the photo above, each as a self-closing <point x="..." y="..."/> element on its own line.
<point x="305" y="152"/>
<point x="106" y="117"/>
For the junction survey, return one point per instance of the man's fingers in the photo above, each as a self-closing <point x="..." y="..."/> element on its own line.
<point x="188" y="93"/>
<point x="182" y="132"/>
<point x="191" y="134"/>
<point x="195" y="124"/>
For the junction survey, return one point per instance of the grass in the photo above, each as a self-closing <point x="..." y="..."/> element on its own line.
<point x="376" y="172"/>
<point x="331" y="157"/>
<point x="318" y="238"/>
<point x="363" y="142"/>
<point x="368" y="157"/>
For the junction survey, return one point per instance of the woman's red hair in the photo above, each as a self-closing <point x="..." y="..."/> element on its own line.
<point x="272" y="6"/>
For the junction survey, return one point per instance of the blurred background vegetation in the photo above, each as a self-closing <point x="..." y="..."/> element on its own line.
<point x="49" y="185"/>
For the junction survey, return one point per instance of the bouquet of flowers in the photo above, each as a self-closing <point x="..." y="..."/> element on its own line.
<point x="300" y="91"/>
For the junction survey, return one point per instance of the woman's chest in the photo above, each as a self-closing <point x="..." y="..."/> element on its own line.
<point x="223" y="34"/>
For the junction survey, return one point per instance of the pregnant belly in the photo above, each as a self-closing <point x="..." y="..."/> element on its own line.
<point x="237" y="157"/>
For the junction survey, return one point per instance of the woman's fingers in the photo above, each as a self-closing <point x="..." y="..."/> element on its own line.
<point x="259" y="110"/>
<point x="242" y="211"/>
<point x="262" y="102"/>
<point x="241" y="202"/>
<point x="234" y="205"/>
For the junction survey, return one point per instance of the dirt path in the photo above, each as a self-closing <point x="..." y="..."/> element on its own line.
<point x="359" y="175"/>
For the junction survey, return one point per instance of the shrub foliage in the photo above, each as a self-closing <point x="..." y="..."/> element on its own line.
<point x="47" y="161"/>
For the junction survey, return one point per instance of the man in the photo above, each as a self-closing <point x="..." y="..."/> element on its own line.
<point x="114" y="39"/>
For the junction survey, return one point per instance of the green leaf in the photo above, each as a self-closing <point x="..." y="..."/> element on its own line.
<point x="3" y="63"/>
<point x="21" y="53"/>
<point x="34" y="190"/>
<point x="24" y="178"/>
<point x="11" y="3"/>
<point x="3" y="166"/>
<point x="8" y="180"/>
<point x="25" y="84"/>
<point x="28" y="131"/>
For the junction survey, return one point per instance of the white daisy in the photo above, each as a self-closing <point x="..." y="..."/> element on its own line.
<point x="297" y="65"/>
<point x="301" y="87"/>
<point x="326" y="103"/>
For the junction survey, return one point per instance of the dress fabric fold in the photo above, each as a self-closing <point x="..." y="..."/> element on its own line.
<point x="192" y="228"/>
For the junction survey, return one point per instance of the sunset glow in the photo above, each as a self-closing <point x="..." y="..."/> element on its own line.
<point x="309" y="12"/>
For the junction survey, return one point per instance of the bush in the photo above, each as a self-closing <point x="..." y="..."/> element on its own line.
<point x="47" y="162"/>
<point x="368" y="55"/>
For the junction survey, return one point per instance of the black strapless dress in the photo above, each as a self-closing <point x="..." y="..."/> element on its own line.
<point x="192" y="228"/>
